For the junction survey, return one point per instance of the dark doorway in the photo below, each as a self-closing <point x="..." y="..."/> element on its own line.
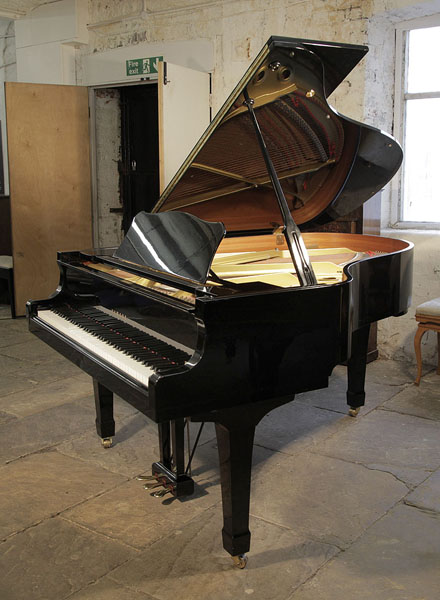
<point x="139" y="171"/>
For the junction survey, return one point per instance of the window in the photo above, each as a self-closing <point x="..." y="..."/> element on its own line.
<point x="418" y="54"/>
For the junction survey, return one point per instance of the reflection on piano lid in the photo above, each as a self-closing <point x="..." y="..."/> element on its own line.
<point x="175" y="243"/>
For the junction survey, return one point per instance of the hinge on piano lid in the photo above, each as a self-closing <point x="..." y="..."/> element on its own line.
<point x="278" y="232"/>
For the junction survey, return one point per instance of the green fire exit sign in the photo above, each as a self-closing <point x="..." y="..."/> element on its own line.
<point x="143" y="66"/>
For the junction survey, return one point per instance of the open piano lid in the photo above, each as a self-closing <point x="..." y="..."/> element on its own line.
<point x="276" y="157"/>
<point x="328" y="165"/>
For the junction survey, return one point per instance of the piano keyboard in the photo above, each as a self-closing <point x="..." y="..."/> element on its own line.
<point x="122" y="345"/>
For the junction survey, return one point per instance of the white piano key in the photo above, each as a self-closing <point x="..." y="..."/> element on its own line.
<point x="103" y="350"/>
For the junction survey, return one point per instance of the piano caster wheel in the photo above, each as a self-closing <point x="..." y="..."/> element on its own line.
<point x="353" y="412"/>
<point x="240" y="561"/>
<point x="107" y="442"/>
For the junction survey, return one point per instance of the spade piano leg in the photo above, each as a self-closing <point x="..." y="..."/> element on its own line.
<point x="105" y="424"/>
<point x="357" y="365"/>
<point x="235" y="429"/>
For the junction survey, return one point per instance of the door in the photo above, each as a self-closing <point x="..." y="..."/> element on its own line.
<point x="139" y="176"/>
<point x="49" y="173"/>
<point x="184" y="114"/>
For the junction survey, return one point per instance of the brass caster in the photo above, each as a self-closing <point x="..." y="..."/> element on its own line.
<point x="240" y="561"/>
<point x="353" y="412"/>
<point x="107" y="442"/>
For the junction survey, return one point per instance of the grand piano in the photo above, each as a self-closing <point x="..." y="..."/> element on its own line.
<point x="220" y="305"/>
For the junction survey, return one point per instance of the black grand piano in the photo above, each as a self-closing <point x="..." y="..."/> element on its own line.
<point x="219" y="306"/>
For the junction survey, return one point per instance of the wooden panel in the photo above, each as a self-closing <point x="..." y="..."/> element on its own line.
<point x="48" y="144"/>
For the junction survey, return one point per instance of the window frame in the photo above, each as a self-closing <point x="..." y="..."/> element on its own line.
<point x="400" y="98"/>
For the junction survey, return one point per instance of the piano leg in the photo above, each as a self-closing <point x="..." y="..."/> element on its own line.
<point x="357" y="365"/>
<point x="105" y="424"/>
<point x="165" y="444"/>
<point x="170" y="470"/>
<point x="235" y="429"/>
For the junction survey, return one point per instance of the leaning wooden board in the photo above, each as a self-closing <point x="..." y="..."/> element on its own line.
<point x="49" y="170"/>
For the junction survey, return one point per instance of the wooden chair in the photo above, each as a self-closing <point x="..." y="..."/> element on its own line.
<point x="7" y="272"/>
<point x="428" y="316"/>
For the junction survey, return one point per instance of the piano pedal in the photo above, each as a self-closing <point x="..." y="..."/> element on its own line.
<point x="161" y="493"/>
<point x="107" y="442"/>
<point x="152" y="485"/>
<point x="353" y="411"/>
<point x="145" y="478"/>
<point x="178" y="484"/>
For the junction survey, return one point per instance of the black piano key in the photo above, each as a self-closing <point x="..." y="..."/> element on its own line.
<point x="127" y="339"/>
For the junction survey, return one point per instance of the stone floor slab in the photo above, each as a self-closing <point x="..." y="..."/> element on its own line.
<point x="55" y="559"/>
<point x="10" y="364"/>
<point x="390" y="372"/>
<point x="295" y="426"/>
<point x="26" y="375"/>
<point x="135" y="446"/>
<point x="109" y="590"/>
<point x="404" y="445"/>
<point x="10" y="336"/>
<point x="421" y="401"/>
<point x="44" y="484"/>
<point x="44" y="396"/>
<point x="398" y="558"/>
<point x="191" y="563"/>
<point x="43" y="429"/>
<point x="323" y="498"/>
<point x="130" y="514"/>
<point x="427" y="494"/>
<point x="33" y="350"/>
<point x="6" y="417"/>
<point x="334" y="397"/>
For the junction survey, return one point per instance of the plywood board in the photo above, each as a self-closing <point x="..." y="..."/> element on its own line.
<point x="49" y="169"/>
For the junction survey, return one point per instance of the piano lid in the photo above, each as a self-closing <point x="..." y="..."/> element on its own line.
<point x="327" y="164"/>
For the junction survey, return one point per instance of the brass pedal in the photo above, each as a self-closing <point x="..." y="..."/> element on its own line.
<point x="152" y="485"/>
<point x="161" y="493"/>
<point x="145" y="477"/>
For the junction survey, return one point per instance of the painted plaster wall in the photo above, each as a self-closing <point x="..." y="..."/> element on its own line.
<point x="108" y="153"/>
<point x="238" y="28"/>
<point x="396" y="335"/>
<point x="8" y="64"/>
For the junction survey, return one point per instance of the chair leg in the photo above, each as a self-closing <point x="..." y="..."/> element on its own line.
<point x="418" y="350"/>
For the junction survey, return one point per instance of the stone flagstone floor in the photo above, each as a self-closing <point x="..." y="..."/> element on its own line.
<point x="341" y="507"/>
